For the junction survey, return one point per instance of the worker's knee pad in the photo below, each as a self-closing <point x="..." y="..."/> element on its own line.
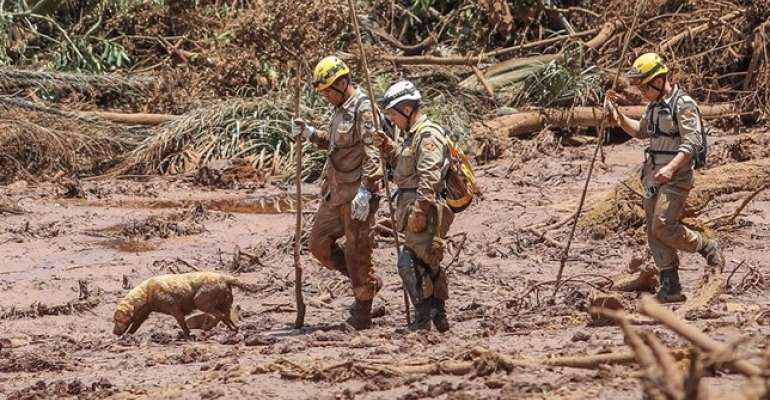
<point x="407" y="269"/>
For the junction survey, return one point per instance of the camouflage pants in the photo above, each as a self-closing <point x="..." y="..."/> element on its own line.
<point x="429" y="247"/>
<point x="354" y="259"/>
<point x="663" y="207"/>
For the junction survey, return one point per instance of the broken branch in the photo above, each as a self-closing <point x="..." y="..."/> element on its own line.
<point x="698" y="29"/>
<point x="653" y="309"/>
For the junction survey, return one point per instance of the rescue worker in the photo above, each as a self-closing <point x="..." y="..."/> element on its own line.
<point x="673" y="123"/>
<point x="420" y="160"/>
<point x="349" y="186"/>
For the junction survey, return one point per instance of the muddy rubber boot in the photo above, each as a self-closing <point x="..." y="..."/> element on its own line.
<point x="422" y="317"/>
<point x="439" y="315"/>
<point x="670" y="290"/>
<point x="713" y="255"/>
<point x="361" y="315"/>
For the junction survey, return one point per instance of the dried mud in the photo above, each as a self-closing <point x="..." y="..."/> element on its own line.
<point x="56" y="331"/>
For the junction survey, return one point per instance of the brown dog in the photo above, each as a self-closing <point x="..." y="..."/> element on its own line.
<point x="178" y="295"/>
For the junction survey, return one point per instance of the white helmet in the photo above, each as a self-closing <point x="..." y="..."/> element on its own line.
<point x="398" y="92"/>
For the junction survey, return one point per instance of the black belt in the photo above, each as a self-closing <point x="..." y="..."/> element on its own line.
<point x="443" y="194"/>
<point x="653" y="153"/>
<point x="667" y="152"/>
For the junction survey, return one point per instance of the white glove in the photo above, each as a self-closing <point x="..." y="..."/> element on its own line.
<point x="299" y="126"/>
<point x="359" y="207"/>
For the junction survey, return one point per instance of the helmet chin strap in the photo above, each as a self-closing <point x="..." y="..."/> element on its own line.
<point x="341" y="92"/>
<point x="660" y="90"/>
<point x="408" y="117"/>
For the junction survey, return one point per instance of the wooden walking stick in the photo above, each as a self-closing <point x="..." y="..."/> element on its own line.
<point x="300" y="321"/>
<point x="599" y="143"/>
<point x="354" y="18"/>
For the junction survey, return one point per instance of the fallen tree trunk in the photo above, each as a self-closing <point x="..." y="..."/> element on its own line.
<point x="139" y="119"/>
<point x="621" y="206"/>
<point x="528" y="122"/>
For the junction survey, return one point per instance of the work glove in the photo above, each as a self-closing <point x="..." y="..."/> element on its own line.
<point x="613" y="115"/>
<point x="300" y="127"/>
<point x="359" y="207"/>
<point x="418" y="220"/>
<point x="383" y="142"/>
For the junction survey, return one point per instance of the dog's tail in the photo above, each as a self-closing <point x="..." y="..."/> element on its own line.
<point x="246" y="287"/>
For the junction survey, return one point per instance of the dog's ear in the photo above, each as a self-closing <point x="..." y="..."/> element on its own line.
<point x="121" y="317"/>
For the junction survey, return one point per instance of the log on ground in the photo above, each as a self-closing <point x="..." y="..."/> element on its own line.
<point x="532" y="121"/>
<point x="621" y="206"/>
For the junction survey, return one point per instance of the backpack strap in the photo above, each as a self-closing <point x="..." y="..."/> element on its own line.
<point x="674" y="101"/>
<point x="697" y="109"/>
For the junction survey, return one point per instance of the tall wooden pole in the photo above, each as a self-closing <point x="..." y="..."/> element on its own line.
<point x="354" y="18"/>
<point x="599" y="143"/>
<point x="300" y="321"/>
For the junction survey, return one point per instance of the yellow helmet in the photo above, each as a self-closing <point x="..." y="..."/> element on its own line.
<point x="646" y="67"/>
<point x="327" y="71"/>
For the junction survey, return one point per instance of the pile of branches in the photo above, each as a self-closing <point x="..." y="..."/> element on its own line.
<point x="36" y="142"/>
<point x="224" y="130"/>
<point x="468" y="57"/>
<point x="663" y="377"/>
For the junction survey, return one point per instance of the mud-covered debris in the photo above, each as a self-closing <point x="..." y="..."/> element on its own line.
<point x="231" y="338"/>
<point x="237" y="173"/>
<point x="175" y="266"/>
<point x="244" y="261"/>
<point x="709" y="288"/>
<point x="187" y="223"/>
<point x="602" y="300"/>
<point x="259" y="339"/>
<point x="161" y="337"/>
<point x="8" y="207"/>
<point x="581" y="336"/>
<point x="35" y="361"/>
<point x="191" y="355"/>
<point x="13" y="341"/>
<point x="102" y="388"/>
<point x="71" y="188"/>
<point x="744" y="149"/>
<point x="39" y="309"/>
<point x="643" y="280"/>
<point x="290" y="346"/>
<point x="43" y="230"/>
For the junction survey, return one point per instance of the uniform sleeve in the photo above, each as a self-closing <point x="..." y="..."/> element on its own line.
<point x="371" y="166"/>
<point x="430" y="162"/>
<point x="321" y="139"/>
<point x="643" y="132"/>
<point x="688" y="121"/>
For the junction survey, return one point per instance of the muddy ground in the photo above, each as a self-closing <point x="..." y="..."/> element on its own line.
<point x="66" y="262"/>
